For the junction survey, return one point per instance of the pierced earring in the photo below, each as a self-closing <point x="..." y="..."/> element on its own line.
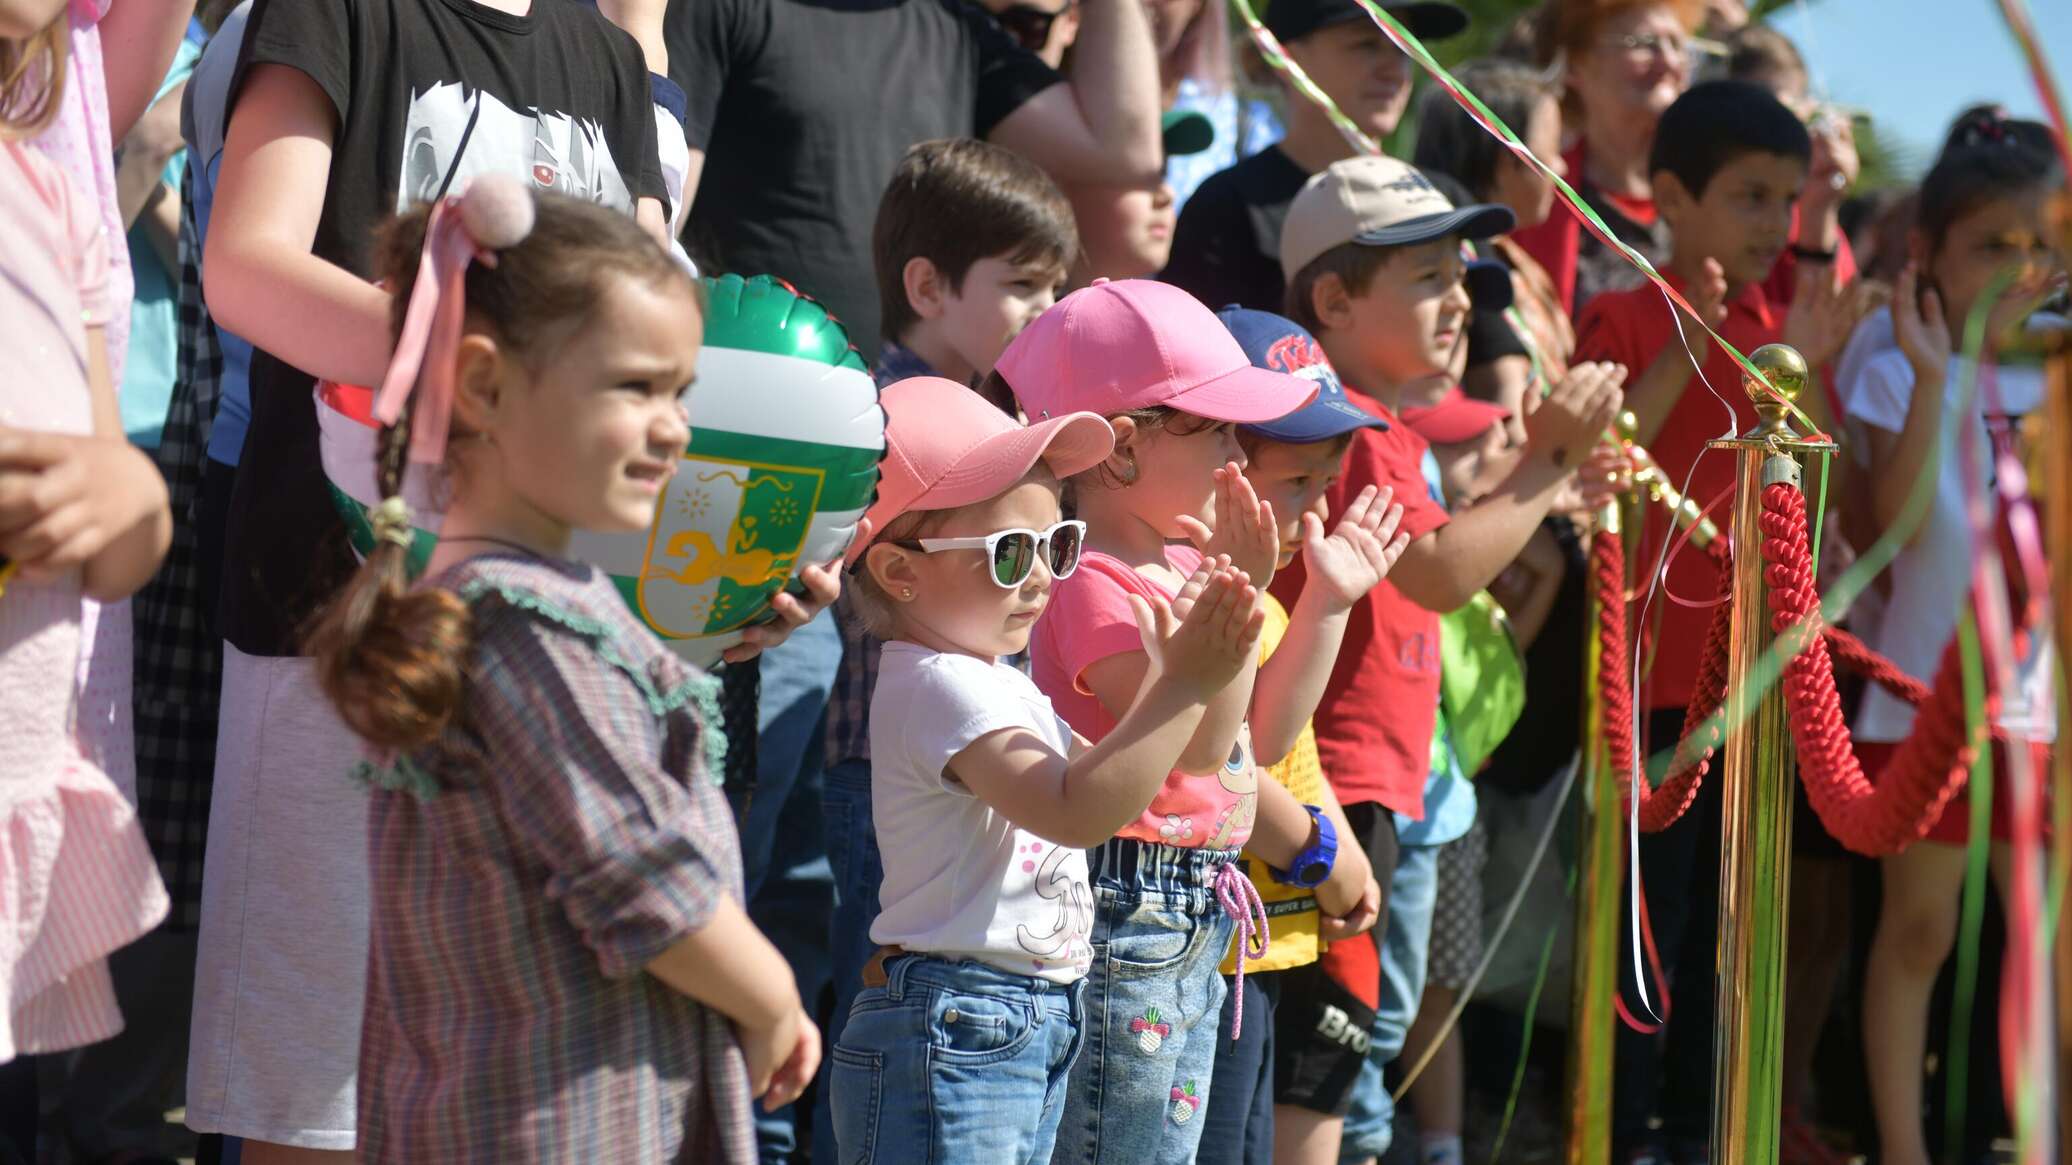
<point x="1129" y="471"/>
<point x="906" y="592"/>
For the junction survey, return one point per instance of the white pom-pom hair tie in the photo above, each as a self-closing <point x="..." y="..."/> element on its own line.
<point x="495" y="212"/>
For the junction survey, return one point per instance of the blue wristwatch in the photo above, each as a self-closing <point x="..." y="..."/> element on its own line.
<point x="1313" y="865"/>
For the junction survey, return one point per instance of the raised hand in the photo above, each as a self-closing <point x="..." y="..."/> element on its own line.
<point x="1835" y="162"/>
<point x="1708" y="294"/>
<point x="1574" y="416"/>
<point x="1218" y="637"/>
<point x="1356" y="556"/>
<point x="1822" y="315"/>
<point x="1604" y="475"/>
<point x="1918" y="325"/>
<point x="1245" y="529"/>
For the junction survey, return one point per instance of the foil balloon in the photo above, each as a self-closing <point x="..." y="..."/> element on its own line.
<point x="786" y="434"/>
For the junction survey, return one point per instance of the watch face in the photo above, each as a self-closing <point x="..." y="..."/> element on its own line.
<point x="1313" y="873"/>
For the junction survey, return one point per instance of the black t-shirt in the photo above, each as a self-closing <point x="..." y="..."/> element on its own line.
<point x="421" y="89"/>
<point x="803" y="109"/>
<point x="1227" y="244"/>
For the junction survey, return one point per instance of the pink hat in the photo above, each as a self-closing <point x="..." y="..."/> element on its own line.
<point x="1135" y="343"/>
<point x="946" y="446"/>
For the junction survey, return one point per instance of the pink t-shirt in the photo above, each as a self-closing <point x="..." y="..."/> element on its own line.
<point x="1088" y="620"/>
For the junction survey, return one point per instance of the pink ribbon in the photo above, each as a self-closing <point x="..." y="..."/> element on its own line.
<point x="1240" y="900"/>
<point x="425" y="351"/>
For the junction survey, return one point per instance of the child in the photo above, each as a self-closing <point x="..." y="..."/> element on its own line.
<point x="1728" y="164"/>
<point x="1225" y="243"/>
<point x="1167" y="889"/>
<point x="546" y="822"/>
<point x="82" y="514"/>
<point x="342" y="113"/>
<point x="1371" y="252"/>
<point x="1126" y="232"/>
<point x="1983" y="211"/>
<point x="972" y="242"/>
<point x="1291" y="463"/>
<point x="961" y="1043"/>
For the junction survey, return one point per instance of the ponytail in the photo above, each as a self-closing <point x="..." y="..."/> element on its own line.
<point x="32" y="79"/>
<point x="388" y="657"/>
<point x="1987" y="157"/>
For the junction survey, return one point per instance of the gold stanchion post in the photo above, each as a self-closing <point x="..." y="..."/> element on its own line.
<point x="1755" y="843"/>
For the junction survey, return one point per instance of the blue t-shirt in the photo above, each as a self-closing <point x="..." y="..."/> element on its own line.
<point x="1449" y="797"/>
<point x="154" y="337"/>
<point x="208" y="112"/>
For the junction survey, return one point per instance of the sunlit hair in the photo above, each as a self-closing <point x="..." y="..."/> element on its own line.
<point x="1988" y="157"/>
<point x="392" y="658"/>
<point x="32" y="80"/>
<point x="878" y="612"/>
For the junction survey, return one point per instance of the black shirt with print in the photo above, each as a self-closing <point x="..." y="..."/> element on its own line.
<point x="421" y="89"/>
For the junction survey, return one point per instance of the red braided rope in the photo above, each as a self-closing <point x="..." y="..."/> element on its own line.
<point x="1662" y="805"/>
<point x="1927" y="769"/>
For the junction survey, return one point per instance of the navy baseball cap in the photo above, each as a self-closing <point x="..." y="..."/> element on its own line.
<point x="1282" y="345"/>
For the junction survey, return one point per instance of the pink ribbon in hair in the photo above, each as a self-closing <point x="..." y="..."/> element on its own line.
<point x="425" y="351"/>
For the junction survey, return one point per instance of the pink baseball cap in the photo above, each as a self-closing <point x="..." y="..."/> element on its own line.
<point x="1134" y="343"/>
<point x="1454" y="418"/>
<point x="947" y="446"/>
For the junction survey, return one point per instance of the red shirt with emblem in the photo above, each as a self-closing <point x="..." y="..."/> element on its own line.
<point x="1374" y="724"/>
<point x="1632" y="328"/>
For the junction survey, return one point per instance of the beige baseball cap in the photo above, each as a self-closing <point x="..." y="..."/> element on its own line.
<point x="1377" y="202"/>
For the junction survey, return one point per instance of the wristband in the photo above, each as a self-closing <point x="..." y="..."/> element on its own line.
<point x="1313" y="865"/>
<point x="1809" y="255"/>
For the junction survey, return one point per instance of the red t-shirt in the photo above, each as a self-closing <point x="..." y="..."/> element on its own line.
<point x="1374" y="724"/>
<point x="1632" y="328"/>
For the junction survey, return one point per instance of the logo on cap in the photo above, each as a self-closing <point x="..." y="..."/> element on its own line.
<point x="1414" y="183"/>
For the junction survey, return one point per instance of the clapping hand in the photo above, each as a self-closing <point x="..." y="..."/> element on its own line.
<point x="1245" y="531"/>
<point x="1356" y="556"/>
<point x="1208" y="633"/>
<point x="1823" y="313"/>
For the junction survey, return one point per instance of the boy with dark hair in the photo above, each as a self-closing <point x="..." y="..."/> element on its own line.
<point x="971" y="243"/>
<point x="1728" y="164"/>
<point x="1229" y="232"/>
<point x="1372" y="255"/>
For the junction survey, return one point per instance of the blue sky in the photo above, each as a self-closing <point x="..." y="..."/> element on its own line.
<point x="1915" y="63"/>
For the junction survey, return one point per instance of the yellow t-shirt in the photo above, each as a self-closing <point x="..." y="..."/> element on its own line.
<point x="1291" y="911"/>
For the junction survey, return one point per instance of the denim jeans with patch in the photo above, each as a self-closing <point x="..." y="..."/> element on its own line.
<point x="1153" y="999"/>
<point x="952" y="1062"/>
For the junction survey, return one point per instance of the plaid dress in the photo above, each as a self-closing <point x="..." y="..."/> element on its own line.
<point x="525" y="868"/>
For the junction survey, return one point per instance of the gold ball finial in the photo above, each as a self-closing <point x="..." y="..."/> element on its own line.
<point x="1627" y="426"/>
<point x="1785" y="369"/>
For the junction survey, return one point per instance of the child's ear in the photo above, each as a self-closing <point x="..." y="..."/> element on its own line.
<point x="1672" y="197"/>
<point x="1331" y="300"/>
<point x="892" y="568"/>
<point x="1919" y="252"/>
<point x="925" y="287"/>
<point x="479" y="373"/>
<point x="1122" y="462"/>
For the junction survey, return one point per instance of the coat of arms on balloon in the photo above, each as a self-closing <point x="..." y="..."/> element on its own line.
<point x="786" y="434"/>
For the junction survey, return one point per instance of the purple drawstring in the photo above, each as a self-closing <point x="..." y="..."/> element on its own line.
<point x="1240" y="900"/>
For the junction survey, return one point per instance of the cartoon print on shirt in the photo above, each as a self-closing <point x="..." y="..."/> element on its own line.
<point x="1066" y="941"/>
<point x="563" y="154"/>
<point x="1240" y="776"/>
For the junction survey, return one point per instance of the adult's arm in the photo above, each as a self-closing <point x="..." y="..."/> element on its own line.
<point x="642" y="19"/>
<point x="259" y="276"/>
<point x="138" y="40"/>
<point x="1103" y="125"/>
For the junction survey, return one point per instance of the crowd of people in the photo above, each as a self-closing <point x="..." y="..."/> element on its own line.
<point x="1127" y="792"/>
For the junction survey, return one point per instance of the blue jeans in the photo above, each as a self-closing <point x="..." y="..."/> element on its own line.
<point x="953" y="1062"/>
<point x="782" y="855"/>
<point x="1406" y="943"/>
<point x="1153" y="1000"/>
<point x="852" y="853"/>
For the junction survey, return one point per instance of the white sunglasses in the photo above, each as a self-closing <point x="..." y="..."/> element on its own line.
<point x="1013" y="553"/>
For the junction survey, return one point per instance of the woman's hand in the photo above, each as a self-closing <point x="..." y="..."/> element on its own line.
<point x="823" y="586"/>
<point x="1245" y="529"/>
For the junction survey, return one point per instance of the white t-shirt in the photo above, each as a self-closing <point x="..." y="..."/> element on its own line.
<point x="961" y="880"/>
<point x="1914" y="622"/>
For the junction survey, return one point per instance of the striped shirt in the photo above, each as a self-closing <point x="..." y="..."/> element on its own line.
<point x="562" y="835"/>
